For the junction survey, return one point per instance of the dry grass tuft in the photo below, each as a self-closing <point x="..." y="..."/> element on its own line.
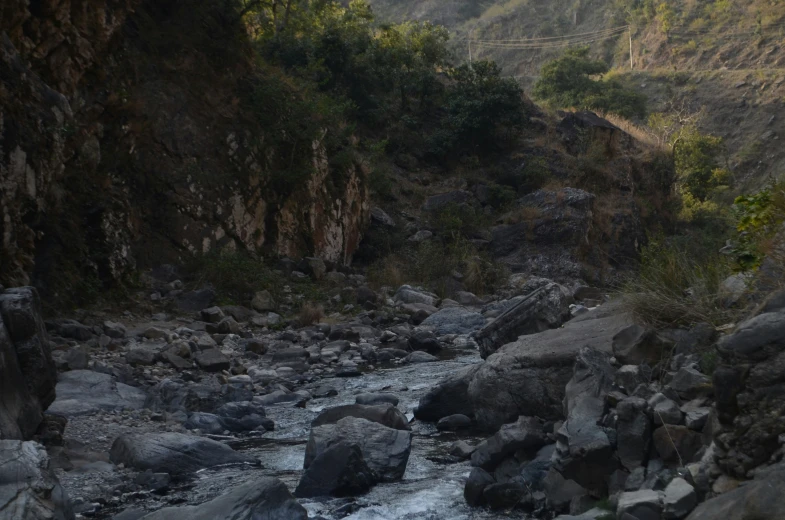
<point x="310" y="313"/>
<point x="641" y="133"/>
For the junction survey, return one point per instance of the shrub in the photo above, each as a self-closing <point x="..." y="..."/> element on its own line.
<point x="571" y="81"/>
<point x="679" y="284"/>
<point x="759" y="217"/>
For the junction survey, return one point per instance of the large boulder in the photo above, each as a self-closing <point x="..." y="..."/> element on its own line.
<point x="761" y="499"/>
<point x="173" y="453"/>
<point x="592" y="376"/>
<point x="450" y="397"/>
<point x="526" y="434"/>
<point x="385" y="450"/>
<point x="340" y="470"/>
<point x="529" y="376"/>
<point x="750" y="392"/>
<point x="84" y="392"/>
<point x="27" y="371"/>
<point x="29" y="490"/>
<point x="633" y="432"/>
<point x="385" y="414"/>
<point x="265" y="498"/>
<point x="547" y="307"/>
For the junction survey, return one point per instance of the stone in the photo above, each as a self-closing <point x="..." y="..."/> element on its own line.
<point x="29" y="489"/>
<point x="212" y="360"/>
<point x="407" y="294"/>
<point x="365" y="295"/>
<point x="633" y="432"/>
<point x="677" y="443"/>
<point x="421" y="236"/>
<point x="679" y="499"/>
<point x="640" y="505"/>
<point x="424" y="340"/>
<point x="385" y="414"/>
<point x="529" y="376"/>
<point x="592" y="376"/>
<point x="27" y="371"/>
<point x="454" y="320"/>
<point x="453" y="423"/>
<point x="664" y="410"/>
<point x="212" y="314"/>
<point x="376" y="399"/>
<point x="760" y="499"/>
<point x="696" y="419"/>
<point x="637" y="344"/>
<point x="263" y="498"/>
<point x="506" y="495"/>
<point x="449" y="397"/>
<point x="206" y="423"/>
<point x="559" y="491"/>
<point x="141" y="356"/>
<point x="584" y="449"/>
<point x="263" y="301"/>
<point x="628" y="377"/>
<point x="524" y="434"/>
<point x="173" y="453"/>
<point x="385" y="450"/>
<point x="467" y="298"/>
<point x="478" y="480"/>
<point x="461" y="449"/>
<point x="340" y="470"/>
<point x="545" y="308"/>
<point x="420" y="357"/>
<point x="379" y="216"/>
<point x="689" y="383"/>
<point x="84" y="392"/>
<point x="313" y="267"/>
<point x="227" y="325"/>
<point x="115" y="330"/>
<point x="194" y="301"/>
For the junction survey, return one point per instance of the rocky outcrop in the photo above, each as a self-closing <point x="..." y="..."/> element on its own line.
<point x="175" y="178"/>
<point x="29" y="489"/>
<point x="527" y="377"/>
<point x="27" y="372"/>
<point x="265" y="497"/>
<point x="750" y="393"/>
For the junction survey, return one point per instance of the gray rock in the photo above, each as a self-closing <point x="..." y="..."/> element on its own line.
<point x="449" y="397"/>
<point x="263" y="301"/>
<point x="376" y="399"/>
<point x="385" y="414"/>
<point x="524" y="434"/>
<point x="340" y="470"/>
<point x="461" y="449"/>
<point x="206" y="423"/>
<point x="421" y="236"/>
<point x="115" y="330"/>
<point x="478" y="480"/>
<point x="679" y="499"/>
<point x="507" y="495"/>
<point x="633" y="432"/>
<point x="545" y="308"/>
<point x="454" y="320"/>
<point x="424" y="340"/>
<point x="637" y="344"/>
<point x="385" y="450"/>
<point x="529" y="377"/>
<point x="212" y="360"/>
<point x="227" y="325"/>
<point x="173" y="453"/>
<point x="406" y="294"/>
<point x="467" y="298"/>
<point x="379" y="216"/>
<point x="628" y="377"/>
<point x="696" y="419"/>
<point x="453" y="423"/>
<point x="584" y="449"/>
<point x="677" y="443"/>
<point x="212" y="314"/>
<point x="560" y="492"/>
<point x="592" y="376"/>
<point x="29" y="490"/>
<point x="689" y="383"/>
<point x="194" y="301"/>
<point x="264" y="498"/>
<point x="83" y="392"/>
<point x="640" y="505"/>
<point x="27" y="371"/>
<point x="420" y="357"/>
<point x="761" y="499"/>
<point x="664" y="411"/>
<point x="141" y="356"/>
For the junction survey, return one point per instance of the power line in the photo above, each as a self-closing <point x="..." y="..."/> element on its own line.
<point x="558" y="45"/>
<point x="549" y="38"/>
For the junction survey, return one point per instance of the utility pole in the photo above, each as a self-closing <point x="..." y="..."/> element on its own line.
<point x="469" y="41"/>
<point x="631" y="63"/>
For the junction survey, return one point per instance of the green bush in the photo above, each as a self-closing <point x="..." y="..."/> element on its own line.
<point x="575" y="81"/>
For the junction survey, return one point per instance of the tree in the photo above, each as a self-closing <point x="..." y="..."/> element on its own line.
<point x="666" y="18"/>
<point x="575" y="80"/>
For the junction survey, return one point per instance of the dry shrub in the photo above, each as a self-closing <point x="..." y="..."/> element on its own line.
<point x="641" y="133"/>
<point x="310" y="313"/>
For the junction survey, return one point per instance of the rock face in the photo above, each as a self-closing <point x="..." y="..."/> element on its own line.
<point x="750" y="399"/>
<point x="173" y="453"/>
<point x="385" y="450"/>
<point x="217" y="191"/>
<point x="545" y="308"/>
<point x="29" y="490"/>
<point x="27" y="372"/>
<point x="527" y="377"/>
<point x="266" y="498"/>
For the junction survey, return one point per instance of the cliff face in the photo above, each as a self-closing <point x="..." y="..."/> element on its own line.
<point x="125" y="141"/>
